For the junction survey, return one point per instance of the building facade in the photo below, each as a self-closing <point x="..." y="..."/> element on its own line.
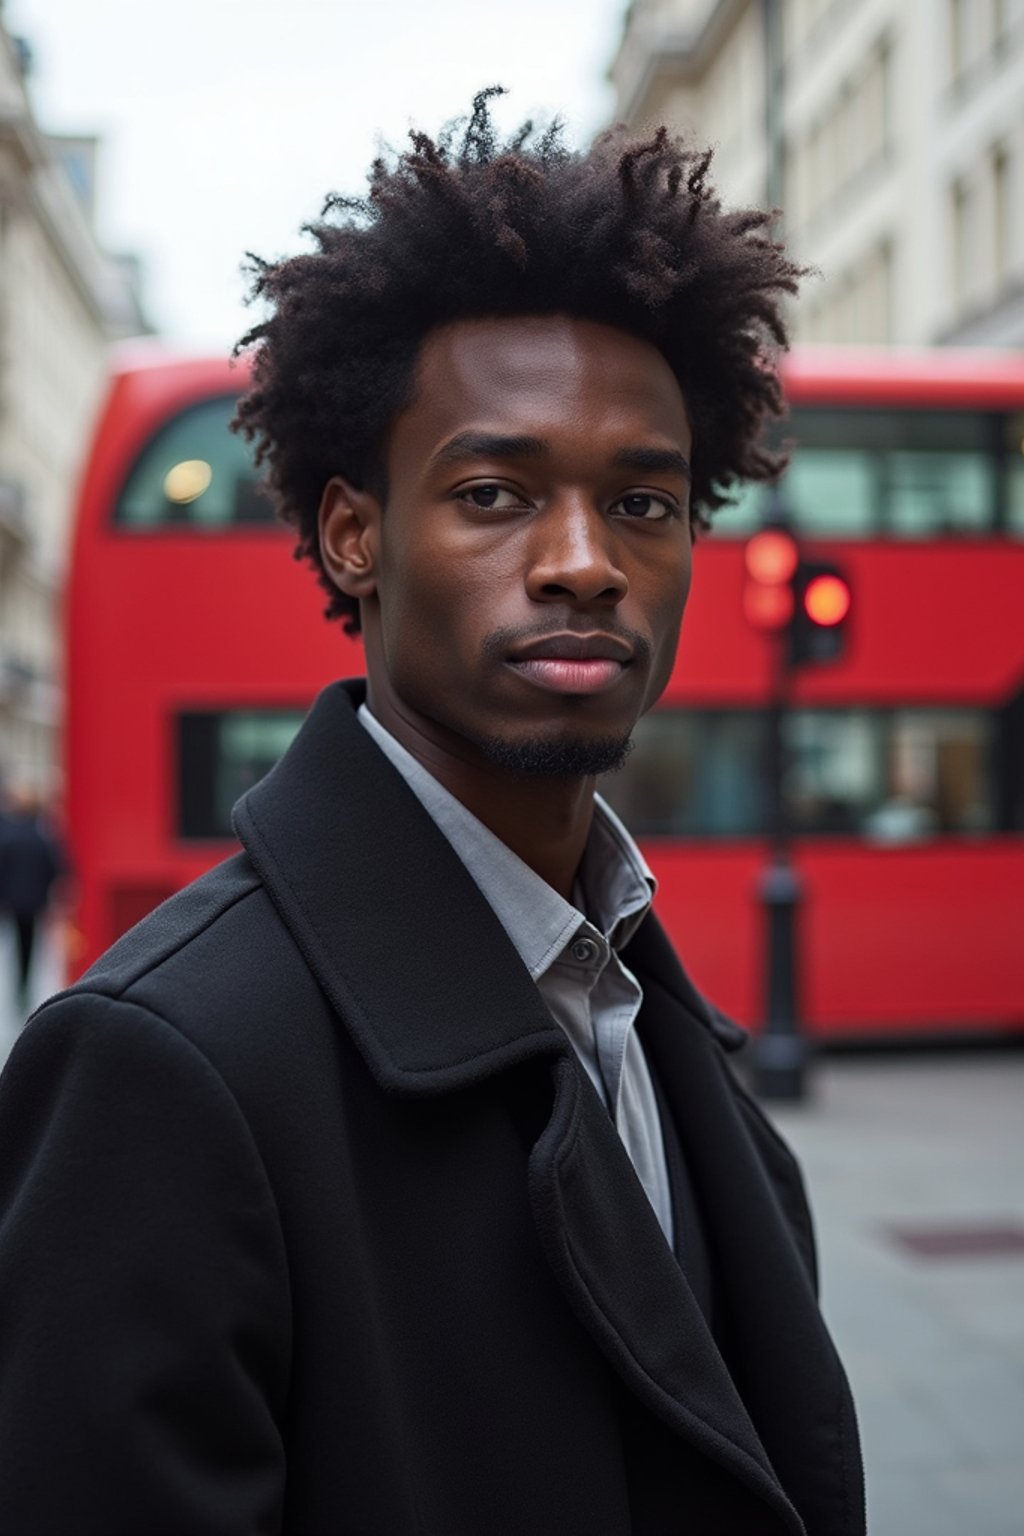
<point x="62" y="302"/>
<point x="891" y="132"/>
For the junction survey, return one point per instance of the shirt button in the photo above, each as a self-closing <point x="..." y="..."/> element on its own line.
<point x="585" y="951"/>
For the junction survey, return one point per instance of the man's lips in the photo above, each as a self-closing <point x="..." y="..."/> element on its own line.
<point x="588" y="676"/>
<point x="565" y="646"/>
<point x="568" y="663"/>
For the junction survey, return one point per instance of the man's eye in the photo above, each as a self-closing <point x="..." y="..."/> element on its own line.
<point x="490" y="498"/>
<point x="642" y="504"/>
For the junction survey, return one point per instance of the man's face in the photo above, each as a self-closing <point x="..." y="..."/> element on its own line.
<point x="532" y="562"/>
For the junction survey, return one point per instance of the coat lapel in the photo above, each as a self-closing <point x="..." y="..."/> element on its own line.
<point x="605" y="1246"/>
<point x="425" y="979"/>
<point x="793" y="1383"/>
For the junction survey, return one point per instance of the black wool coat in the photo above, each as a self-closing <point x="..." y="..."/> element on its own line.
<point x="310" y="1222"/>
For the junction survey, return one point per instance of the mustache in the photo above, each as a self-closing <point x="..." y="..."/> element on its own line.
<point x="500" y="642"/>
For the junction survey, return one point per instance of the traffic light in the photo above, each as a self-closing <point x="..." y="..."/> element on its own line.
<point x="805" y="601"/>
<point x="771" y="560"/>
<point x="821" y="609"/>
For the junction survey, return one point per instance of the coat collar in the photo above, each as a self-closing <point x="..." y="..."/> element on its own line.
<point x="327" y="829"/>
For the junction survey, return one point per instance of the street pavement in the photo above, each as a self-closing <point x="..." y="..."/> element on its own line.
<point x="933" y="1147"/>
<point x="45" y="978"/>
<point x="898" y="1151"/>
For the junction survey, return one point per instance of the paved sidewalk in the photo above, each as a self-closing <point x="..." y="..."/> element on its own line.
<point x="46" y="977"/>
<point x="934" y="1345"/>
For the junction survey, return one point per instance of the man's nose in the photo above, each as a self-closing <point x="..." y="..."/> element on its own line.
<point x="573" y="558"/>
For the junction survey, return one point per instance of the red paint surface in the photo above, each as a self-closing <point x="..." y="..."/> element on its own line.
<point x="906" y="939"/>
<point x="946" y="378"/>
<point x="927" y="937"/>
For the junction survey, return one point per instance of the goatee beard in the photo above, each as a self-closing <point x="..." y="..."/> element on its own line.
<point x="567" y="758"/>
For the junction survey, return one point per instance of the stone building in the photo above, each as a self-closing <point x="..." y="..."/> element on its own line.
<point x="62" y="302"/>
<point x="898" y="131"/>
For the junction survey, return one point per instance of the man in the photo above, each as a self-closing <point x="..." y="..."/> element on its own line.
<point x="30" y="863"/>
<point x="392" y="1178"/>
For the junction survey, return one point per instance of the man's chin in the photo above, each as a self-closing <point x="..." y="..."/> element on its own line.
<point x="557" y="757"/>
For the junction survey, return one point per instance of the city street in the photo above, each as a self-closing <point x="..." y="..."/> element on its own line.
<point x="916" y="1172"/>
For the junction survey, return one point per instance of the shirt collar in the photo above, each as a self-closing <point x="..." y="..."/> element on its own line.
<point x="615" y="884"/>
<point x="614" y="887"/>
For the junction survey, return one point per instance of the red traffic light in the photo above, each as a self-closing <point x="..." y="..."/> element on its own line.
<point x="767" y="607"/>
<point x="806" y="600"/>
<point x="827" y="600"/>
<point x="771" y="557"/>
<point x="824" y="599"/>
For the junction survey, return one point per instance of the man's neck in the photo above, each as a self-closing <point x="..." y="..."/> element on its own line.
<point x="545" y="821"/>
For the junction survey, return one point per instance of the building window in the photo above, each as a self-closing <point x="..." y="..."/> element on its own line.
<point x="816" y="182"/>
<point x="959" y="42"/>
<point x="1001" y="216"/>
<point x="1008" y="18"/>
<point x="876" y="296"/>
<point x="961" y="245"/>
<point x="853" y="134"/>
<point x="876" y="115"/>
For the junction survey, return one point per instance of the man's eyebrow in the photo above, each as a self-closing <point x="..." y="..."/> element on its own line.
<point x="489" y="445"/>
<point x="657" y="461"/>
<point x="499" y="445"/>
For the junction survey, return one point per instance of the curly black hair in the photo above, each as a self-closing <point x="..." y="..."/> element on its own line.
<point x="629" y="232"/>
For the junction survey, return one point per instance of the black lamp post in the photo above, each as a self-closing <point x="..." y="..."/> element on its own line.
<point x="780" y="1050"/>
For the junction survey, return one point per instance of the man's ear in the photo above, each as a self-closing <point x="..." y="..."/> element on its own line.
<point x="348" y="524"/>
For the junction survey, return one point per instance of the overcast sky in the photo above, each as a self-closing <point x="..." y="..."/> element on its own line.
<point x="225" y="122"/>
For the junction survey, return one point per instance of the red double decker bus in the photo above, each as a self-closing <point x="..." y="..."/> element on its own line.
<point x="194" y="646"/>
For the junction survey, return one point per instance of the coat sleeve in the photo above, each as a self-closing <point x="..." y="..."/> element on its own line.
<point x="144" y="1310"/>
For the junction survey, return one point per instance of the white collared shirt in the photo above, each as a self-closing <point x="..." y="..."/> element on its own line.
<point x="571" y="951"/>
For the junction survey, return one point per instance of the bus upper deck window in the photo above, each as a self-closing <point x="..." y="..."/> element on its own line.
<point x="1013" y="444"/>
<point x="195" y="473"/>
<point x="897" y="473"/>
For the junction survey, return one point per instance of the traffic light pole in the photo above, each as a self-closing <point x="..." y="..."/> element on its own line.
<point x="780" y="1051"/>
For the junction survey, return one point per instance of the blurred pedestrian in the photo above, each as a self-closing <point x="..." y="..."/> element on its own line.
<point x="30" y="862"/>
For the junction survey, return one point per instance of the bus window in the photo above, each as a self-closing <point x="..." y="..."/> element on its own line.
<point x="834" y="772"/>
<point x="692" y="773"/>
<point x="832" y="491"/>
<point x="221" y="755"/>
<point x="1013" y="441"/>
<point x="912" y="474"/>
<point x="929" y="493"/>
<point x="894" y="777"/>
<point x="742" y="515"/>
<point x="887" y="775"/>
<point x="857" y="474"/>
<point x="194" y="473"/>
